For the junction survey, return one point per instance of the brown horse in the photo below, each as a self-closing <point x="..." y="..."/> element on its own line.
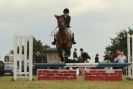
<point x="1" y="68"/>
<point x="63" y="39"/>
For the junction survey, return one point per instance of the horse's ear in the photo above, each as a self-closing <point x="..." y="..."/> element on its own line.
<point x="56" y="16"/>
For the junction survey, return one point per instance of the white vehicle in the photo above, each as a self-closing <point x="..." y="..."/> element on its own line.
<point x="8" y="60"/>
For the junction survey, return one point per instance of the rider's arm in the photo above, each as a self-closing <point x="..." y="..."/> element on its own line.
<point x="67" y="20"/>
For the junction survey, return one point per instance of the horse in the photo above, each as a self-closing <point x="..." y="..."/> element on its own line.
<point x="2" y="68"/>
<point x="63" y="39"/>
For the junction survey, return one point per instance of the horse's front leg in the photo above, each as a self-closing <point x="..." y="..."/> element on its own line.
<point x="67" y="53"/>
<point x="61" y="55"/>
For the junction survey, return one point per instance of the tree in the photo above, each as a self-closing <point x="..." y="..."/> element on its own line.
<point x="39" y="47"/>
<point x="118" y="43"/>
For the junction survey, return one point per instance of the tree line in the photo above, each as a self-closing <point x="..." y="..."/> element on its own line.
<point x="118" y="43"/>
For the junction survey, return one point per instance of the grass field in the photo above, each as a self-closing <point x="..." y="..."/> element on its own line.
<point x="7" y="83"/>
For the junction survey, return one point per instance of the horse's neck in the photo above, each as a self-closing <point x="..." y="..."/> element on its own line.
<point x="62" y="30"/>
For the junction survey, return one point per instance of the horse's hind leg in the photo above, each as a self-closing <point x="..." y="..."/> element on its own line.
<point x="69" y="52"/>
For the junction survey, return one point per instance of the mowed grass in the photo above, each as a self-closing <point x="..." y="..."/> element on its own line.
<point x="7" y="83"/>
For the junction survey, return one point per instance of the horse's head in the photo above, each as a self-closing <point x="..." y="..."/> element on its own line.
<point x="61" y="22"/>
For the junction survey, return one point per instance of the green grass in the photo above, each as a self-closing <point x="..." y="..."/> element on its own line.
<point x="7" y="83"/>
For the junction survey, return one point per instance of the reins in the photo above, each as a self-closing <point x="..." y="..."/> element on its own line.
<point x="53" y="31"/>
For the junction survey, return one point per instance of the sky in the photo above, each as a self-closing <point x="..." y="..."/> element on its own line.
<point x="93" y="22"/>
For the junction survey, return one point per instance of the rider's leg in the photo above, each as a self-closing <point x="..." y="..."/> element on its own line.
<point x="73" y="39"/>
<point x="72" y="35"/>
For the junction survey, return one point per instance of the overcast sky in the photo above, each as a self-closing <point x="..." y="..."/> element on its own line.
<point x="93" y="21"/>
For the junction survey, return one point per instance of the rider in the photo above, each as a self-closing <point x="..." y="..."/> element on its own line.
<point x="67" y="22"/>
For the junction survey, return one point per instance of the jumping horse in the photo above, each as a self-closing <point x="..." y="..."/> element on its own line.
<point x="63" y="39"/>
<point x="1" y="68"/>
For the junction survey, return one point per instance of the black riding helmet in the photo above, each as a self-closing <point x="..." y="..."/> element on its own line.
<point x="66" y="10"/>
<point x="81" y="49"/>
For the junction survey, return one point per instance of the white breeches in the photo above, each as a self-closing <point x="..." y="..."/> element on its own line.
<point x="68" y="29"/>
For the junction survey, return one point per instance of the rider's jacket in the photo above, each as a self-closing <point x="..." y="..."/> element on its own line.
<point x="67" y="21"/>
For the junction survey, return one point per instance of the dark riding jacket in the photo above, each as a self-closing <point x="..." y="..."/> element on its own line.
<point x="75" y="55"/>
<point x="67" y="21"/>
<point x="85" y="56"/>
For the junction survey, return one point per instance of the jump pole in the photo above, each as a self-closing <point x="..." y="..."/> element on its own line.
<point x="23" y="56"/>
<point x="130" y="55"/>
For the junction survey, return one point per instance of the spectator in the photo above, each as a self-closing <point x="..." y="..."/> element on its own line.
<point x="97" y="58"/>
<point x="121" y="58"/>
<point x="75" y="56"/>
<point x="117" y="53"/>
<point x="107" y="58"/>
<point x="38" y="57"/>
<point x="84" y="56"/>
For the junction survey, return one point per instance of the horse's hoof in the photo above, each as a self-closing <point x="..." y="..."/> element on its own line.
<point x="74" y="42"/>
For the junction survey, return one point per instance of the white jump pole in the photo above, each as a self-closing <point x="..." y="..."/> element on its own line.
<point x="23" y="55"/>
<point x="130" y="55"/>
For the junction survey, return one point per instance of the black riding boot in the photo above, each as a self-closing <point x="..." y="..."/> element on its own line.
<point x="73" y="41"/>
<point x="53" y="43"/>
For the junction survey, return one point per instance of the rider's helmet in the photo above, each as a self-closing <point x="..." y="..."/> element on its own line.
<point x="66" y="10"/>
<point x="81" y="49"/>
